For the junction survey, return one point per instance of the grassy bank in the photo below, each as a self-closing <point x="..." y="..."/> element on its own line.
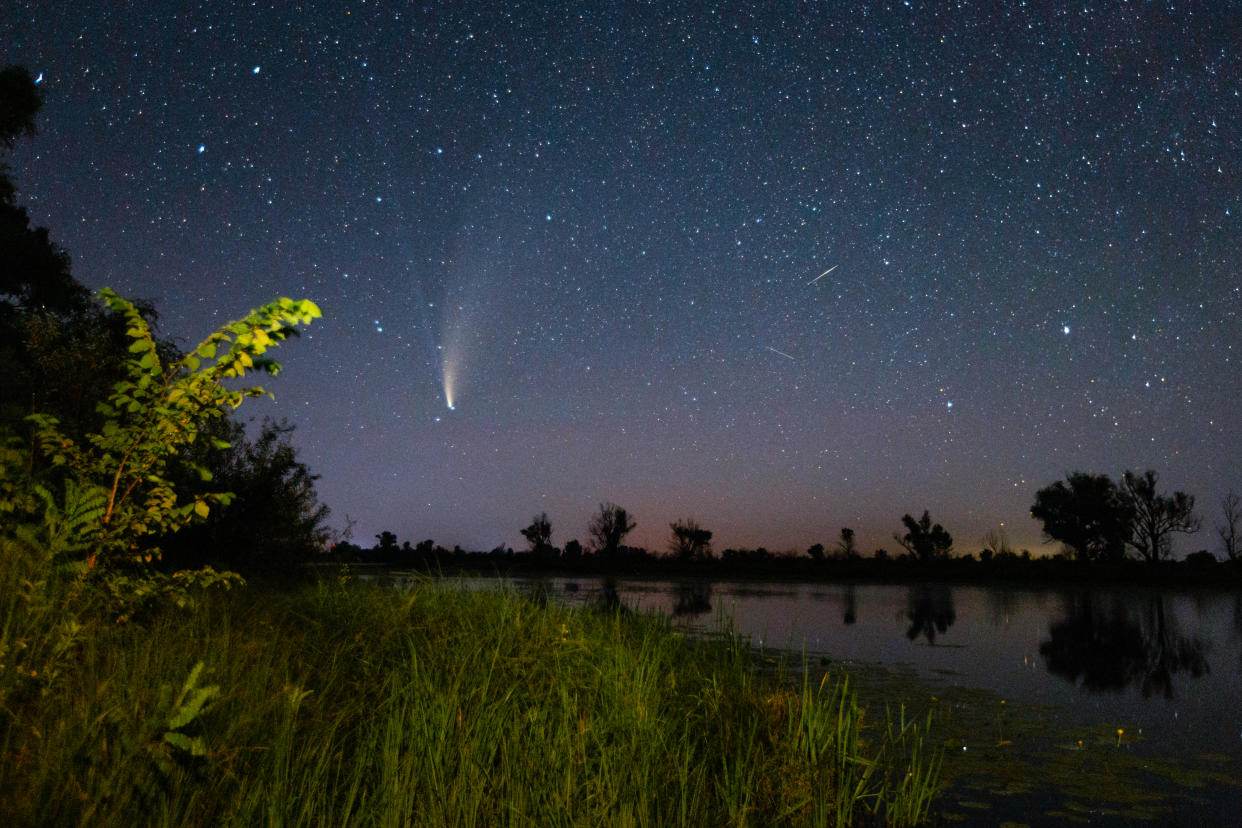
<point x="345" y="703"/>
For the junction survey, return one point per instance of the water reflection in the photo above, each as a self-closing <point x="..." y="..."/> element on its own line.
<point x="851" y="605"/>
<point x="1237" y="620"/>
<point x="929" y="609"/>
<point x="1110" y="643"/>
<point x="693" y="598"/>
<point x="608" y="599"/>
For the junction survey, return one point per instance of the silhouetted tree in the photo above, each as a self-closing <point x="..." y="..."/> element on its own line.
<point x="923" y="540"/>
<point x="1086" y="512"/>
<point x="816" y="552"/>
<point x="573" y="549"/>
<point x="539" y="533"/>
<point x="690" y="542"/>
<point x="1155" y="517"/>
<point x="846" y="548"/>
<point x="275" y="523"/>
<point x="609" y="528"/>
<point x="1228" y="531"/>
<point x="387" y="548"/>
<point x="995" y="546"/>
<point x="34" y="272"/>
<point x="59" y="352"/>
<point x="20" y="102"/>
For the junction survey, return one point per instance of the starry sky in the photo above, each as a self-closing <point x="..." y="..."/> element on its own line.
<point x="777" y="267"/>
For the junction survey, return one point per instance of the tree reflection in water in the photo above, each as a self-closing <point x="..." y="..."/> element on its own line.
<point x="608" y="599"/>
<point x="1237" y="620"/>
<point x="851" y="605"/>
<point x="1108" y="648"/>
<point x="692" y="598"/>
<point x="929" y="608"/>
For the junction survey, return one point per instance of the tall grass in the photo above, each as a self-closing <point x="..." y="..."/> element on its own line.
<point x="357" y="704"/>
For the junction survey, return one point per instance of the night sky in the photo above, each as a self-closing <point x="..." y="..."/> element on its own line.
<point x="778" y="267"/>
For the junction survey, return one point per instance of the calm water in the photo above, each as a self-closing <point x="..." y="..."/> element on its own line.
<point x="1036" y="682"/>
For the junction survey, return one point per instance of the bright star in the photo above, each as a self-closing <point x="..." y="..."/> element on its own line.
<point x="1065" y="329"/>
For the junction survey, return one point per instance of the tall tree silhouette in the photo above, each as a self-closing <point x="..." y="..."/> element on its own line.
<point x="539" y="534"/>
<point x="1155" y="517"/>
<point x="1086" y="512"/>
<point x="924" y="540"/>
<point x="60" y="353"/>
<point x="690" y="542"/>
<point x="34" y="272"/>
<point x="609" y="528"/>
<point x="846" y="546"/>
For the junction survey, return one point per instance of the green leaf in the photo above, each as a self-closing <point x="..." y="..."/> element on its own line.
<point x="201" y="508"/>
<point x="193" y="745"/>
<point x="189" y="709"/>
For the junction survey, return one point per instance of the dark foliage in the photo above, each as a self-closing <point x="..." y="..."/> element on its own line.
<point x="1086" y="512"/>
<point x="1154" y="517"/>
<point x="609" y="528"/>
<point x="539" y="536"/>
<point x="924" y="540"/>
<point x="690" y="542"/>
<point x="274" y="525"/>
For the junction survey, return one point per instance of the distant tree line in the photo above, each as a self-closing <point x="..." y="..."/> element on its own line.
<point x="1097" y="520"/>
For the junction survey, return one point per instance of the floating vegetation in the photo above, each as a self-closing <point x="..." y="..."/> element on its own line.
<point x="1005" y="759"/>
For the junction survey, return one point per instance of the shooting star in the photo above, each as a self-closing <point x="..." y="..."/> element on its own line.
<point x="822" y="275"/>
<point x="782" y="353"/>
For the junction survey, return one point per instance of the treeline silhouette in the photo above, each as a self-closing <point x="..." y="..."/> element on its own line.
<point x="1110" y="532"/>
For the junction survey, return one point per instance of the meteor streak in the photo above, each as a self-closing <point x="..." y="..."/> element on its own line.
<point x="822" y="275"/>
<point x="782" y="353"/>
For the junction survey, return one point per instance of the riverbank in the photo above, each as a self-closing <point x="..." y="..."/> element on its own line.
<point x="348" y="703"/>
<point x="1008" y="571"/>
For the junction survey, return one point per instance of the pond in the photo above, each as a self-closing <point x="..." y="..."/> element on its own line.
<point x="1100" y="706"/>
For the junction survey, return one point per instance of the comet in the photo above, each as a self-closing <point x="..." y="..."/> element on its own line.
<point x="782" y="353"/>
<point x="822" y="275"/>
<point x="449" y="376"/>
